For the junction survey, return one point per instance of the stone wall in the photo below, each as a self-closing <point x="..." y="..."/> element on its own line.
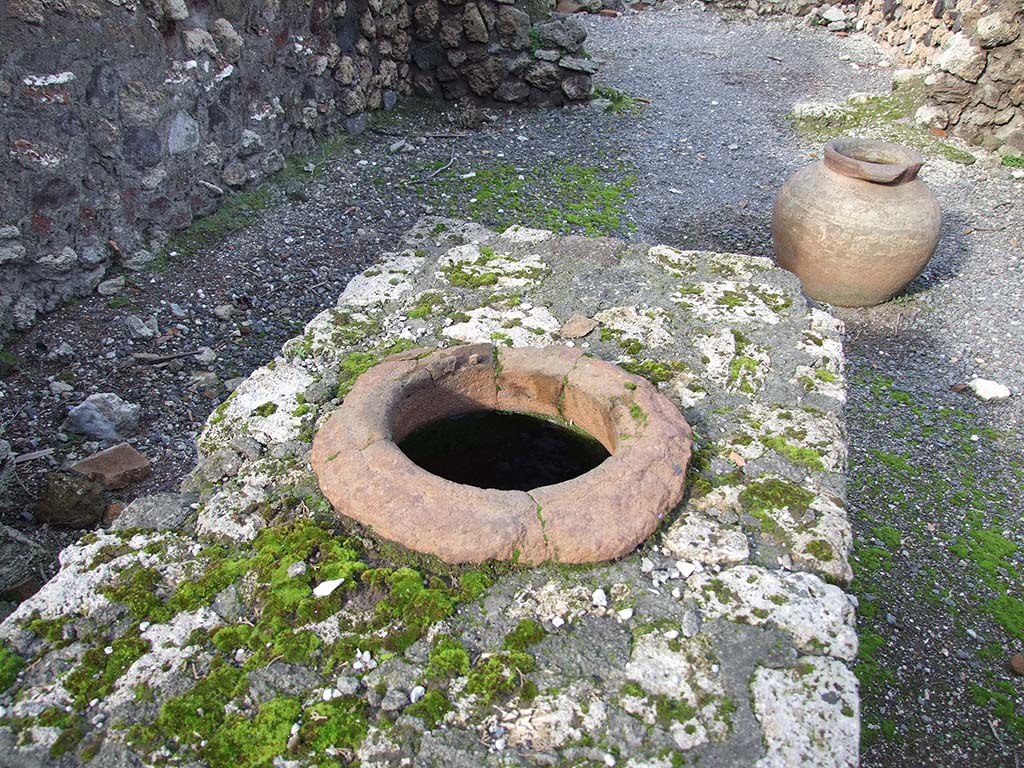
<point x="124" y="121"/>
<point x="490" y="50"/>
<point x="974" y="46"/>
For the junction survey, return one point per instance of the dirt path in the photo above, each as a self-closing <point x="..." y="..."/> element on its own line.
<point x="935" y="479"/>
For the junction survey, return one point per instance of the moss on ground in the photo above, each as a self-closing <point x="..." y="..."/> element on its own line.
<point x="888" y="117"/>
<point x="620" y="102"/>
<point x="560" y="195"/>
<point x="957" y="523"/>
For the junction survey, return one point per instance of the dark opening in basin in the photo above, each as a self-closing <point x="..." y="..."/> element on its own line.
<point x="503" y="450"/>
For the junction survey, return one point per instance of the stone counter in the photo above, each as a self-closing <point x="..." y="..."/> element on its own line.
<point x="264" y="627"/>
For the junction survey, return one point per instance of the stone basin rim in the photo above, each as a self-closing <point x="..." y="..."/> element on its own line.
<point x="599" y="515"/>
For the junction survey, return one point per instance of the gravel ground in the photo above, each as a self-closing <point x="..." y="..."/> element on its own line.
<point x="935" y="482"/>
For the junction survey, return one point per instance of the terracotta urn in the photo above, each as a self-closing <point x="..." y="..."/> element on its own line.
<point x="857" y="226"/>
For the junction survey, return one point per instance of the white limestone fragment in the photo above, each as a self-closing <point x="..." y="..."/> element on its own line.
<point x="386" y="281"/>
<point x="986" y="389"/>
<point x="516" y="326"/>
<point x="698" y="539"/>
<point x="689" y="673"/>
<point x="809" y="714"/>
<point x="732" y="302"/>
<point x="645" y="324"/>
<point x="262" y="407"/>
<point x="517" y="234"/>
<point x="818" y="615"/>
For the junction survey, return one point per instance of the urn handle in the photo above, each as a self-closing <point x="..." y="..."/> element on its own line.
<point x="879" y="162"/>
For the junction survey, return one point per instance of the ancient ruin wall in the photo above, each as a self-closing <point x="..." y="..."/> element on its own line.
<point x="124" y="121"/>
<point x="975" y="46"/>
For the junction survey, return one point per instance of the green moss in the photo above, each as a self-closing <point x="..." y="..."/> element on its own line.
<point x="138" y="588"/>
<point x="1013" y="161"/>
<point x="50" y="630"/>
<point x="10" y="665"/>
<point x="234" y="213"/>
<point x="527" y="632"/>
<point x="459" y="276"/>
<point x="410" y="604"/>
<point x="669" y="711"/>
<point x="472" y="584"/>
<point x="68" y="740"/>
<point x="252" y="743"/>
<point x="1008" y="612"/>
<point x="348" y="330"/>
<point x="741" y="370"/>
<point x="893" y="461"/>
<point x="631" y="688"/>
<point x="731" y="299"/>
<point x="340" y="724"/>
<point x="195" y="716"/>
<point x="97" y="672"/>
<point x="425" y="306"/>
<point x="264" y="410"/>
<point x="638" y="414"/>
<point x="448" y="658"/>
<point x="558" y="195"/>
<point x="774" y="494"/>
<point x="621" y="103"/>
<point x="351" y="367"/>
<point x="798" y="454"/>
<point x="1001" y="698"/>
<point x="820" y="549"/>
<point x="886" y="117"/>
<point x="499" y="674"/>
<point x="230" y="638"/>
<point x="824" y="374"/>
<point x="430" y="709"/>
<point x="654" y="371"/>
<point x="722" y="593"/>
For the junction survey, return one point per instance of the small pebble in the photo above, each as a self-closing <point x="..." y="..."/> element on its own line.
<point x="599" y="598"/>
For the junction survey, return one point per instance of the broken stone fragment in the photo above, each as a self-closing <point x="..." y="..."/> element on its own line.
<point x="962" y="58"/>
<point x="227" y="39"/>
<point x="115" y="467"/>
<point x="577" y="326"/>
<point x="986" y="389"/>
<point x="175" y="10"/>
<point x="160" y="511"/>
<point x="103" y="416"/>
<point x="20" y="559"/>
<point x="111" y="287"/>
<point x="71" y="501"/>
<point x="996" y="29"/>
<point x="1017" y="664"/>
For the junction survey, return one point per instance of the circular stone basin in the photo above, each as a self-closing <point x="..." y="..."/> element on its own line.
<point x="598" y="515"/>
